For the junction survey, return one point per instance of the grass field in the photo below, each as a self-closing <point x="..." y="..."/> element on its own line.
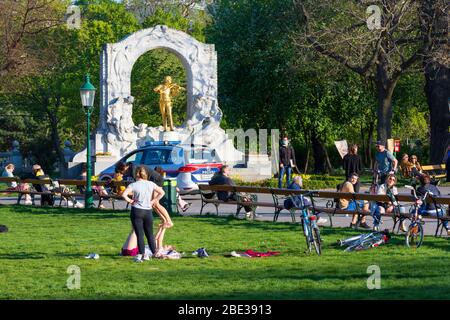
<point x="42" y="243"/>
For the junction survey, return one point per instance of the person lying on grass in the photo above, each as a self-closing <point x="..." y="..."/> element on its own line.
<point x="130" y="247"/>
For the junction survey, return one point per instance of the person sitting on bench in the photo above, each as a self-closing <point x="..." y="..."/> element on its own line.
<point x="289" y="203"/>
<point x="351" y="205"/>
<point x="427" y="208"/>
<point x="13" y="186"/>
<point x="387" y="188"/>
<point x="223" y="178"/>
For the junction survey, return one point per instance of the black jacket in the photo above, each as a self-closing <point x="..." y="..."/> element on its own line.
<point x="428" y="187"/>
<point x="352" y="163"/>
<point x="287" y="153"/>
<point x="220" y="179"/>
<point x="153" y="175"/>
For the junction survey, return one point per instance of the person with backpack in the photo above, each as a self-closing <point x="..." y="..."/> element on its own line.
<point x="385" y="162"/>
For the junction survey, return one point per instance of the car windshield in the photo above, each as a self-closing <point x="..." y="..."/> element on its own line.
<point x="162" y="156"/>
<point x="135" y="157"/>
<point x="200" y="155"/>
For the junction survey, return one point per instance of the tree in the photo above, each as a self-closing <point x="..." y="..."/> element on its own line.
<point x="379" y="53"/>
<point x="436" y="67"/>
<point x="20" y="22"/>
<point x="53" y="95"/>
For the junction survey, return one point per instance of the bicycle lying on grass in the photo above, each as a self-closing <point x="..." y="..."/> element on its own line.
<point x="365" y="241"/>
<point x="309" y="221"/>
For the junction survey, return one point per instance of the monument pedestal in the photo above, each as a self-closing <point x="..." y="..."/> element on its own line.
<point x="169" y="136"/>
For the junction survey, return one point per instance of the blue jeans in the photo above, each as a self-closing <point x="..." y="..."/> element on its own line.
<point x="284" y="170"/>
<point x="352" y="205"/>
<point x="376" y="214"/>
<point x="433" y="212"/>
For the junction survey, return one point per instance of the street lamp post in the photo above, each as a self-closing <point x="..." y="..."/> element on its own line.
<point x="87" y="93"/>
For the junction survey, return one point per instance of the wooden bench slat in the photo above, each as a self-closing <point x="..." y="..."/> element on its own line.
<point x="430" y="167"/>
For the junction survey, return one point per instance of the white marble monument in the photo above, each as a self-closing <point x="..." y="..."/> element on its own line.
<point x="117" y="134"/>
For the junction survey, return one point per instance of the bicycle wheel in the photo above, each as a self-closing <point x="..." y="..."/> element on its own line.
<point x="307" y="233"/>
<point x="316" y="239"/>
<point x="414" y="236"/>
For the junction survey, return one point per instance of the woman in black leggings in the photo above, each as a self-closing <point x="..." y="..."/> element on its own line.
<point x="145" y="195"/>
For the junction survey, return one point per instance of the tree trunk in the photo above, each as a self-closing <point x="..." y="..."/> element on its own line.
<point x="56" y="138"/>
<point x="328" y="162"/>
<point x="437" y="79"/>
<point x="384" y="111"/>
<point x="307" y="159"/>
<point x="437" y="90"/>
<point x="369" y="144"/>
<point x="318" y="153"/>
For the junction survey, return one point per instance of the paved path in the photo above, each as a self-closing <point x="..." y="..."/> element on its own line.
<point x="266" y="214"/>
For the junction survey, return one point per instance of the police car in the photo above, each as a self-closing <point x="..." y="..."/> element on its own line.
<point x="190" y="164"/>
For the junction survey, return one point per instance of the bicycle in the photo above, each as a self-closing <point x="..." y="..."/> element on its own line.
<point x="365" y="241"/>
<point x="414" y="235"/>
<point x="309" y="221"/>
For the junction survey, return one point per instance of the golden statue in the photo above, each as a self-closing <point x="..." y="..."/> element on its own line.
<point x="167" y="90"/>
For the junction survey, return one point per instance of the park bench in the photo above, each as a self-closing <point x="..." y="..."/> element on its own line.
<point x="436" y="171"/>
<point x="209" y="196"/>
<point x="108" y="185"/>
<point x="8" y="180"/>
<point x="111" y="196"/>
<point x="396" y="215"/>
<point x="33" y="191"/>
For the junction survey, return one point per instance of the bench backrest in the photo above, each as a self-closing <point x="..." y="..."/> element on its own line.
<point x="9" y="179"/>
<point x="321" y="194"/>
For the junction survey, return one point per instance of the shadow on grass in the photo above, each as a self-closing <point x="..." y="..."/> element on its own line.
<point x="22" y="256"/>
<point x="311" y="285"/>
<point x="91" y="213"/>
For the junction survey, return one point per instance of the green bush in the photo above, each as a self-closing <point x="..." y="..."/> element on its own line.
<point x="311" y="182"/>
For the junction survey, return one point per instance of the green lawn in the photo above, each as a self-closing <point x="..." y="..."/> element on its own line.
<point x="42" y="243"/>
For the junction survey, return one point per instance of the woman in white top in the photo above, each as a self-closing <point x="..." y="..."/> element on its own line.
<point x="146" y="195"/>
<point x="387" y="188"/>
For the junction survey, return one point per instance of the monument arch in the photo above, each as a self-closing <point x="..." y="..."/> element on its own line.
<point x="117" y="134"/>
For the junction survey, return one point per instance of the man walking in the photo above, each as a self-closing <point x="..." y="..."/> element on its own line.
<point x="287" y="162"/>
<point x="385" y="162"/>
